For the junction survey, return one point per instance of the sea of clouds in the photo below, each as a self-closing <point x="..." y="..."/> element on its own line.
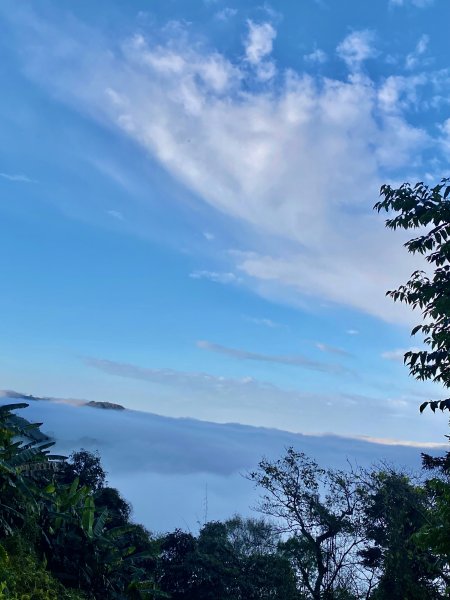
<point x="182" y="472"/>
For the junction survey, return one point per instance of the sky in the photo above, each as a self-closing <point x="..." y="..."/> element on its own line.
<point x="186" y="193"/>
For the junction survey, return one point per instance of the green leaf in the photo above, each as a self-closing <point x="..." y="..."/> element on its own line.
<point x="87" y="519"/>
<point x="423" y="406"/>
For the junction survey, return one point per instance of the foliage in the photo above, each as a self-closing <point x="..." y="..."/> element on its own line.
<point x="24" y="577"/>
<point x="221" y="563"/>
<point x="322" y="510"/>
<point x="72" y="536"/>
<point x="428" y="210"/>
<point x="86" y="467"/>
<point x="395" y="512"/>
<point x="119" y="511"/>
<point x="434" y="536"/>
<point x="251" y="536"/>
<point x="21" y="460"/>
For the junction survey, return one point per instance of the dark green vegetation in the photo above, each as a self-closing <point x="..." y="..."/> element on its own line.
<point x="64" y="534"/>
<point x="428" y="210"/>
<point x="332" y="535"/>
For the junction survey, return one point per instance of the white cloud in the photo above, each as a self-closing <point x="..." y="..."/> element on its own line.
<point x="297" y="166"/>
<point x="317" y="56"/>
<point x="266" y="70"/>
<point x="397" y="93"/>
<point x="263" y="321"/>
<point x="352" y="332"/>
<point x="189" y="381"/>
<point x="17" y="178"/>
<point x="416" y="3"/>
<point x="294" y="361"/>
<point x="115" y="214"/>
<point x="226" y="13"/>
<point x="413" y="59"/>
<point x="357" y="47"/>
<point x="259" y="42"/>
<point x="422" y="44"/>
<point x="258" y="46"/>
<point x="218" y="398"/>
<point x="332" y="349"/>
<point x="208" y="236"/>
<point x="398" y="355"/>
<point x="215" y="276"/>
<point x="445" y="138"/>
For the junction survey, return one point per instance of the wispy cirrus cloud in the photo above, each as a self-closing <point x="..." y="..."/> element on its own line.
<point x="17" y="178"/>
<point x="226" y="14"/>
<point x="183" y="379"/>
<point x="115" y="214"/>
<point x="295" y="361"/>
<point x="214" y="397"/>
<point x="297" y="162"/>
<point x="332" y="349"/>
<point x="216" y="276"/>
<point x="416" y="3"/>
<point x="263" y="321"/>
<point x="398" y="355"/>
<point x="414" y="58"/>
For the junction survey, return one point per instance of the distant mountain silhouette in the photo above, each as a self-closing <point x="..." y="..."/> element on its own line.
<point x="105" y="405"/>
<point x="30" y="397"/>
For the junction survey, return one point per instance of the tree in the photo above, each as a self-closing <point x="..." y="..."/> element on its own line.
<point x="218" y="564"/>
<point x="249" y="536"/>
<point x="428" y="210"/>
<point x="22" y="460"/>
<point x="119" y="510"/>
<point x="178" y="565"/>
<point x="52" y="526"/>
<point x="265" y="569"/>
<point x="395" y="511"/>
<point x="87" y="467"/>
<point x="322" y="509"/>
<point x="227" y="561"/>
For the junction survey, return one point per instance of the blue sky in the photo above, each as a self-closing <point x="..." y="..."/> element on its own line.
<point x="186" y="194"/>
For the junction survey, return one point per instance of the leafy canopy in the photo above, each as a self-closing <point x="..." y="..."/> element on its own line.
<point x="426" y="209"/>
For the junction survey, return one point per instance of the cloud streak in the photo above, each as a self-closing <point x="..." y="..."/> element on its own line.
<point x="332" y="349"/>
<point x="398" y="355"/>
<point x="416" y="3"/>
<point x="215" y="276"/>
<point x="295" y="361"/>
<point x="17" y="178"/>
<point x="292" y="406"/>
<point x="263" y="321"/>
<point x="182" y="379"/>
